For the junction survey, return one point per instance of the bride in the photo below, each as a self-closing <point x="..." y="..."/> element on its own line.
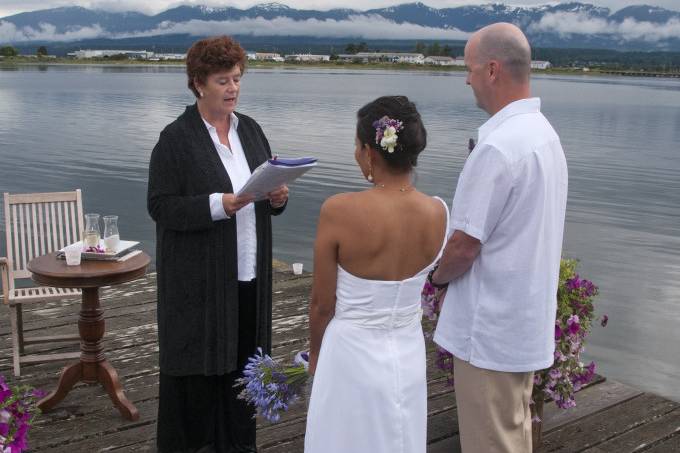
<point x="372" y="253"/>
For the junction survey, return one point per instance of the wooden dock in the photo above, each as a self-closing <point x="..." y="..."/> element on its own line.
<point x="610" y="416"/>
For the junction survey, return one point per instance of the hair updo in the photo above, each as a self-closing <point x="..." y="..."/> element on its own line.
<point x="412" y="139"/>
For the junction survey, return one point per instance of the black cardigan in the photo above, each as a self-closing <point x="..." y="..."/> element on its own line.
<point x="196" y="258"/>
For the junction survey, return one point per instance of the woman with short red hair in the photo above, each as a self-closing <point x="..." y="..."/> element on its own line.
<point x="213" y="258"/>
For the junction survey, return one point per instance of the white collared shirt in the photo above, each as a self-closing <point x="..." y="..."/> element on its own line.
<point x="511" y="195"/>
<point x="236" y="165"/>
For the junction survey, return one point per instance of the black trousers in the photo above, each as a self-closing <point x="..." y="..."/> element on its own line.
<point x="201" y="414"/>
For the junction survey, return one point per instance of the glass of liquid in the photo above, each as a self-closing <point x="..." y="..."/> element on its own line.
<point x="111" y="235"/>
<point x="92" y="232"/>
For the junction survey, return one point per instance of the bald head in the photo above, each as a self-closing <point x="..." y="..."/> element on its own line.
<point x="505" y="43"/>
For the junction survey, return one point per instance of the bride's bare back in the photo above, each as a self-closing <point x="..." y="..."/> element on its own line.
<point x="385" y="234"/>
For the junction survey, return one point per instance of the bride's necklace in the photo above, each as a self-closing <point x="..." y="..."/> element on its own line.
<point x="404" y="189"/>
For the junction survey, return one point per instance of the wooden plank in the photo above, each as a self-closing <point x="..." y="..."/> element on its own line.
<point x="17" y="198"/>
<point x="55" y="232"/>
<point x="602" y="426"/>
<point x="669" y="445"/>
<point x="42" y="358"/>
<point x="14" y="252"/>
<point x="60" y="229"/>
<point x="35" y="251"/>
<point x="22" y="239"/>
<point x="79" y="213"/>
<point x="448" y="445"/>
<point x="109" y="440"/>
<point x="645" y="436"/>
<point x="73" y="223"/>
<point x="51" y="338"/>
<point x="41" y="230"/>
<point x="588" y="401"/>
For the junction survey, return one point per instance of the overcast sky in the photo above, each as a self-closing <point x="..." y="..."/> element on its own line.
<point x="9" y="7"/>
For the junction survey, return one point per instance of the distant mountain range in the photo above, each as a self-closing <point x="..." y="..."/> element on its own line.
<point x="572" y="24"/>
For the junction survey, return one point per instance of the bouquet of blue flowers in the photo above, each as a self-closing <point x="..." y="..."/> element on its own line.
<point x="270" y="386"/>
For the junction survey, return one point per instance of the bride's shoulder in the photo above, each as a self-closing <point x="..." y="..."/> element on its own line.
<point x="341" y="206"/>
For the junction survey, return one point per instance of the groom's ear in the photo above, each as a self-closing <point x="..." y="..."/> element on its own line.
<point x="493" y="69"/>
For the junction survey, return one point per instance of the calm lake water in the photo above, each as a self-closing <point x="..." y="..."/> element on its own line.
<point x="64" y="127"/>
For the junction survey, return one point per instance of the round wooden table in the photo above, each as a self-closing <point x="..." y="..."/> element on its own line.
<point x="92" y="367"/>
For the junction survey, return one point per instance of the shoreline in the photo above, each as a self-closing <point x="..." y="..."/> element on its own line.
<point x="24" y="61"/>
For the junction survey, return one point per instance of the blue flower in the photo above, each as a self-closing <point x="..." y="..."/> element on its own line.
<point x="270" y="387"/>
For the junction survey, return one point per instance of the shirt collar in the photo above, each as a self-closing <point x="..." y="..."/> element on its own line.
<point x="233" y="123"/>
<point x="523" y="106"/>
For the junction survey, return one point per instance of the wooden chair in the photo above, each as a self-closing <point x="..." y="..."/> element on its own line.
<point x="36" y="224"/>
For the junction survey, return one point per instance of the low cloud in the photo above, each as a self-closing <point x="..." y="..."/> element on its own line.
<point x="46" y="32"/>
<point x="566" y="24"/>
<point x="360" y="26"/>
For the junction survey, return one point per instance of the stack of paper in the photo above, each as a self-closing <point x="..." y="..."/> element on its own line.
<point x="273" y="174"/>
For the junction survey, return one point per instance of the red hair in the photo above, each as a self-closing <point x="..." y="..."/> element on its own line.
<point x="211" y="55"/>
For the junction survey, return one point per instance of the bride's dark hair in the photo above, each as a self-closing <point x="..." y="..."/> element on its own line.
<point x="412" y="139"/>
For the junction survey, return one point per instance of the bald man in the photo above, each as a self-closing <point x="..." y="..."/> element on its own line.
<point x="502" y="259"/>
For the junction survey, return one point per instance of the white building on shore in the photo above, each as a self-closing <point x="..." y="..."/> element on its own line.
<point x="138" y="54"/>
<point x="307" y="57"/>
<point x="440" y="61"/>
<point x="391" y="57"/>
<point x="268" y="56"/>
<point x="537" y="64"/>
<point x="168" y="56"/>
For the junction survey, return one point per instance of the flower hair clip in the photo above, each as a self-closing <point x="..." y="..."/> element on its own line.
<point x="386" y="132"/>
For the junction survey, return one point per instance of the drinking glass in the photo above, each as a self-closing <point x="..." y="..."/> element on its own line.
<point x="73" y="254"/>
<point x="92" y="233"/>
<point x="111" y="235"/>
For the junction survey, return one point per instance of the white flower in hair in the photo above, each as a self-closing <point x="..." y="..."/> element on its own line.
<point x="389" y="140"/>
<point x="386" y="132"/>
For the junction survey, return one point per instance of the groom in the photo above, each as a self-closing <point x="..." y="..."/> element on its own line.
<point x="503" y="257"/>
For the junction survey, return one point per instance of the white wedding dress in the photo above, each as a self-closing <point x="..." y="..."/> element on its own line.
<point x="370" y="390"/>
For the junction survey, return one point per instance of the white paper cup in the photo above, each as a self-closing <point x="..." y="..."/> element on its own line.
<point x="73" y="255"/>
<point x="297" y="268"/>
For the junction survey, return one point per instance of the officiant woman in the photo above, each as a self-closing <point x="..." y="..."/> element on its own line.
<point x="213" y="257"/>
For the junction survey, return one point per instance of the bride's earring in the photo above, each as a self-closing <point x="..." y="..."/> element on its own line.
<point x="370" y="173"/>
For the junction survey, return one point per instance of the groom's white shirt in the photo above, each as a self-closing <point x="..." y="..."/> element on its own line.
<point x="511" y="195"/>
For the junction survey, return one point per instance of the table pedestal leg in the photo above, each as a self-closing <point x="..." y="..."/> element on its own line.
<point x="92" y="367"/>
<point x="69" y="376"/>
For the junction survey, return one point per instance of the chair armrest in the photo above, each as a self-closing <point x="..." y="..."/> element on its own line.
<point x="4" y="274"/>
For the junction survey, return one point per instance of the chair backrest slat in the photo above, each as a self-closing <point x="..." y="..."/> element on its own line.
<point x="40" y="223"/>
<point x="53" y="228"/>
<point x="60" y="227"/>
<point x="22" y="238"/>
<point x="41" y="226"/>
<point x="36" y="236"/>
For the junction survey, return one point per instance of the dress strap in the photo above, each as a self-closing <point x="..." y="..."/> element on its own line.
<point x="446" y="231"/>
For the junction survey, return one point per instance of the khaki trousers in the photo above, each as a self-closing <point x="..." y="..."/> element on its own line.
<point x="493" y="409"/>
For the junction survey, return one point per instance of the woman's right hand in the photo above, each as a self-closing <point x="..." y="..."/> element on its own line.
<point x="232" y="203"/>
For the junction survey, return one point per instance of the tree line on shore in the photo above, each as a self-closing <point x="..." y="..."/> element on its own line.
<point x="604" y="59"/>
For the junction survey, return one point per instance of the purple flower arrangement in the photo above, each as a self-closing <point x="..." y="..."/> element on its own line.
<point x="271" y="387"/>
<point x="575" y="315"/>
<point x="18" y="409"/>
